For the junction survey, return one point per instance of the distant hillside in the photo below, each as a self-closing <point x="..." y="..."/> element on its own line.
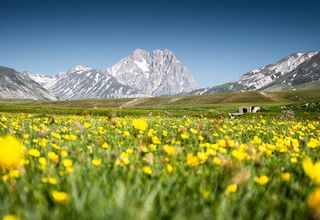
<point x="296" y="71"/>
<point x="14" y="85"/>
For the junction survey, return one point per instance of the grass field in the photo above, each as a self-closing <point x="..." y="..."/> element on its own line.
<point x="161" y="158"/>
<point x="209" y="105"/>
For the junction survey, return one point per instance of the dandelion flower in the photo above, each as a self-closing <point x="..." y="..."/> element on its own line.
<point x="314" y="201"/>
<point x="140" y="124"/>
<point x="11" y="152"/>
<point x="312" y="170"/>
<point x="231" y="188"/>
<point x="169" y="150"/>
<point x="60" y="197"/>
<point x="169" y="168"/>
<point x="147" y="170"/>
<point x="261" y="180"/>
<point x="192" y="160"/>
<point x="10" y="217"/>
<point x="67" y="163"/>
<point x="96" y="162"/>
<point x="34" y="152"/>
<point x="286" y="176"/>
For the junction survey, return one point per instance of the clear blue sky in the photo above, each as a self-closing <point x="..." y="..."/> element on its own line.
<point x="217" y="40"/>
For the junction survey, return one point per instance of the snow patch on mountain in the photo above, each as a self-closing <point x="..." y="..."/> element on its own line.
<point x="263" y="76"/>
<point x="144" y="66"/>
<point x="39" y="78"/>
<point x="85" y="82"/>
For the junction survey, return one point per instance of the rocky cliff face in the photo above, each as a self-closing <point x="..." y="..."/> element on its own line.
<point x="155" y="73"/>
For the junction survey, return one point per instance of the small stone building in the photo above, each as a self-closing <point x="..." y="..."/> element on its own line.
<point x="246" y="109"/>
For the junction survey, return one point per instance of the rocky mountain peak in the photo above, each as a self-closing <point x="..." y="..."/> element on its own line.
<point x="155" y="73"/>
<point x="139" y="53"/>
<point x="80" y="69"/>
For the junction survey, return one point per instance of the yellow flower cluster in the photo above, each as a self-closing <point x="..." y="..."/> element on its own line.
<point x="227" y="156"/>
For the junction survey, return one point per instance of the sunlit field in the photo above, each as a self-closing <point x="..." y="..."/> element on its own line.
<point x="262" y="166"/>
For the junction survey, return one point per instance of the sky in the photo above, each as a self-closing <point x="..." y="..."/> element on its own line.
<point x="217" y="40"/>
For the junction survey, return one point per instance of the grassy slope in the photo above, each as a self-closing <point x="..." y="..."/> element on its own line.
<point x="176" y="105"/>
<point x="305" y="86"/>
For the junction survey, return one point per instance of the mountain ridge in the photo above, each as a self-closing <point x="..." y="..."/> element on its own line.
<point x="266" y="76"/>
<point x="154" y="73"/>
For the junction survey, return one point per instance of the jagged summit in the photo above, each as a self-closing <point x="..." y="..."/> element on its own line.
<point x="155" y="73"/>
<point x="138" y="52"/>
<point x="80" y="69"/>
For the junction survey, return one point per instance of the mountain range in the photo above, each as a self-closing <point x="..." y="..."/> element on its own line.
<point x="141" y="74"/>
<point x="297" y="70"/>
<point x="156" y="73"/>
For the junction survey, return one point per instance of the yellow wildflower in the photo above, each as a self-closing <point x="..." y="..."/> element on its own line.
<point x="140" y="124"/>
<point x="105" y="145"/>
<point x="67" y="163"/>
<point x="256" y="140"/>
<point x="10" y="217"/>
<point x="96" y="162"/>
<point x="42" y="161"/>
<point x="312" y="170"/>
<point x="231" y="188"/>
<point x="52" y="181"/>
<point x="87" y="125"/>
<point x="60" y="197"/>
<point x="63" y="153"/>
<point x="293" y="160"/>
<point x="53" y="156"/>
<point x="11" y="152"/>
<point x="222" y="143"/>
<point x="314" y="201"/>
<point x="43" y="142"/>
<point x="14" y="173"/>
<point x="147" y="170"/>
<point x="56" y="135"/>
<point x="155" y="140"/>
<point x="169" y="168"/>
<point x="286" y="176"/>
<point x="261" y="180"/>
<point x="313" y="143"/>
<point x="184" y="136"/>
<point x="192" y="160"/>
<point x="239" y="155"/>
<point x="169" y="150"/>
<point x="217" y="161"/>
<point x="164" y="133"/>
<point x="202" y="157"/>
<point x="34" y="152"/>
<point x="123" y="159"/>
